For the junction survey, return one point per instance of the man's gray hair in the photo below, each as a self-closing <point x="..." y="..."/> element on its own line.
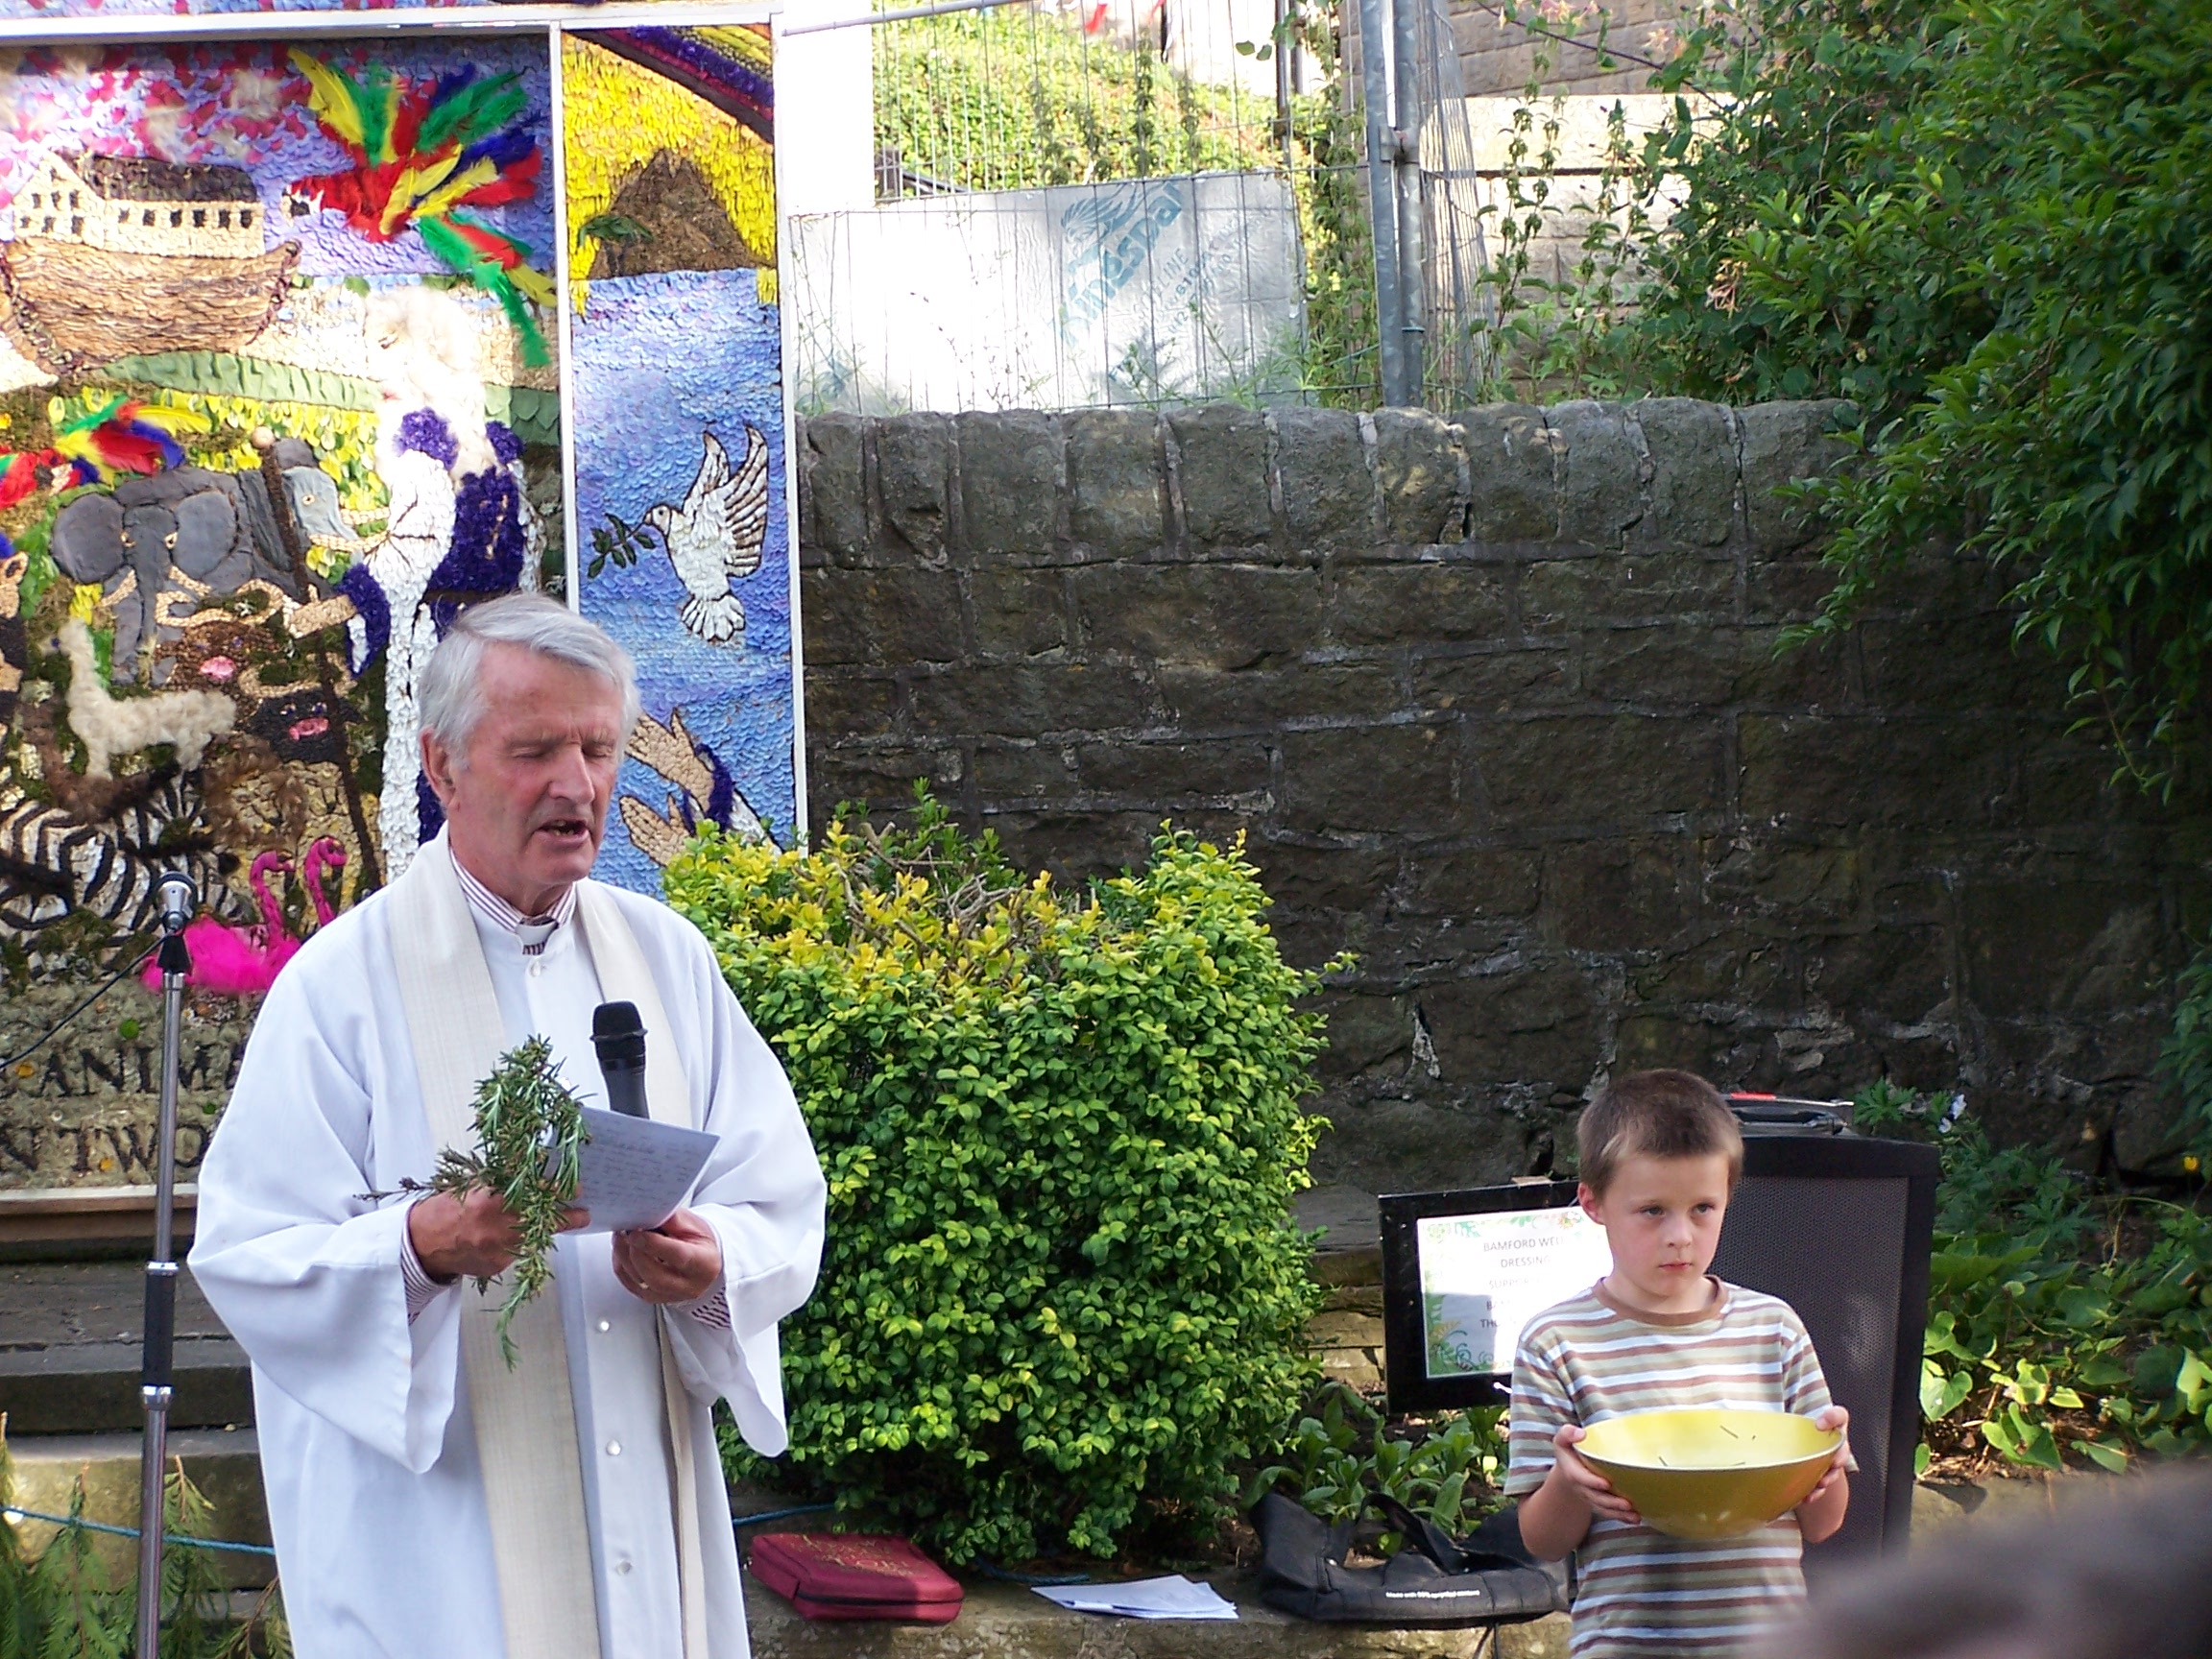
<point x="450" y="701"/>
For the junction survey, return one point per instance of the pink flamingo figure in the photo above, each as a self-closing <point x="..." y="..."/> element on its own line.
<point x="238" y="961"/>
<point x="324" y="852"/>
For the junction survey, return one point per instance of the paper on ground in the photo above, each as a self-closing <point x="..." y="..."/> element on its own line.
<point x="1170" y="1598"/>
<point x="635" y="1172"/>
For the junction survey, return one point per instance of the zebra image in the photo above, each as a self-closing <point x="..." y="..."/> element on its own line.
<point x="52" y="864"/>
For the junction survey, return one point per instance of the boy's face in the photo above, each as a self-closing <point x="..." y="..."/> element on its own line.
<point x="1662" y="1219"/>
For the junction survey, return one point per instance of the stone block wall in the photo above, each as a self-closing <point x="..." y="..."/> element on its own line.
<point x="1497" y="704"/>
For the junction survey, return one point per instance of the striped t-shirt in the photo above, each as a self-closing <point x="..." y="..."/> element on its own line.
<point x="1638" y="1590"/>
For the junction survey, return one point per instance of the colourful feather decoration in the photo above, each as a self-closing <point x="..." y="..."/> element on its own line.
<point x="19" y="474"/>
<point x="123" y="435"/>
<point x="423" y="150"/>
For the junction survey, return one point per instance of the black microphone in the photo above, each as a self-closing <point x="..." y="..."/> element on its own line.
<point x="619" y="1036"/>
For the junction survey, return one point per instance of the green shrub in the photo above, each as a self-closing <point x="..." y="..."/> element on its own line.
<point x="2063" y="1323"/>
<point x="1340" y="1454"/>
<point x="1060" y="1290"/>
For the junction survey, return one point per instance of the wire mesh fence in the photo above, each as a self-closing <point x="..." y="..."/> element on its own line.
<point x="1099" y="202"/>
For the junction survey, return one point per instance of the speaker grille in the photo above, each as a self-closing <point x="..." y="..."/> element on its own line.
<point x="1834" y="1250"/>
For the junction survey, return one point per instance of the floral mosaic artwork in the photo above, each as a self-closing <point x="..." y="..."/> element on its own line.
<point x="678" y="381"/>
<point x="279" y="400"/>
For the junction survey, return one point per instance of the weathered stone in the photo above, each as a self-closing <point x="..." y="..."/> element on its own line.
<point x="876" y="777"/>
<point x="1017" y="613"/>
<point x="1300" y="877"/>
<point x="1379" y="777"/>
<point x="1616" y="894"/>
<point x="1167" y="771"/>
<point x="1251" y="699"/>
<point x="1603" y="473"/>
<point x="1513" y="488"/>
<point x="1671" y="664"/>
<point x="1117" y="492"/>
<point x="1605" y="769"/>
<point x="1006" y="770"/>
<point x="1478" y="882"/>
<point x="2026" y="945"/>
<point x="1010" y="481"/>
<point x="1075" y="845"/>
<point x="913" y="479"/>
<point x="1692" y="460"/>
<point x="1527" y="1023"/>
<point x="1456" y="599"/>
<point x="1223" y="473"/>
<point x="1896" y="771"/>
<point x="1215" y="615"/>
<point x="832" y="483"/>
<point x="847" y="703"/>
<point x="1560" y="593"/>
<point x="1321" y="465"/>
<point x="1506" y="682"/>
<point x="1417" y="461"/>
<point x="906" y="614"/>
<point x="1033" y="700"/>
<point x="1807" y="880"/>
<point x="1783" y="443"/>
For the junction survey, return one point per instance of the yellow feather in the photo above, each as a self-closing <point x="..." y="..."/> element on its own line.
<point x="477" y="172"/>
<point x="330" y="100"/>
<point x="535" y="285"/>
<point x="410" y="189"/>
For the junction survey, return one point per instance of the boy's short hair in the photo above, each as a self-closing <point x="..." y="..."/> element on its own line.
<point x="1655" y="1115"/>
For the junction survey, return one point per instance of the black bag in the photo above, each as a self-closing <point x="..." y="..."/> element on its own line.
<point x="1485" y="1578"/>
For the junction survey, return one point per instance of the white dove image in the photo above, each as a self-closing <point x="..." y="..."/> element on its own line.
<point x="716" y="534"/>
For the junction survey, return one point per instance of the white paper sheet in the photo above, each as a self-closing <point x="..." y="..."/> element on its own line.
<point x="1173" y="1597"/>
<point x="636" y="1172"/>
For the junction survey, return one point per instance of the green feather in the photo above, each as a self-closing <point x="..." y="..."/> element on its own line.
<point x="474" y="112"/>
<point x="374" y="102"/>
<point x="488" y="274"/>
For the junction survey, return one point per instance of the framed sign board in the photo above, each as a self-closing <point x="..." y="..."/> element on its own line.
<point x="1463" y="1272"/>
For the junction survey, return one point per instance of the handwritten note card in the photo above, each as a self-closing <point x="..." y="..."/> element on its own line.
<point x="636" y="1172"/>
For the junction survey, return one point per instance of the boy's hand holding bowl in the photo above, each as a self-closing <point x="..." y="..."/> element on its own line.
<point x="1706" y="1474"/>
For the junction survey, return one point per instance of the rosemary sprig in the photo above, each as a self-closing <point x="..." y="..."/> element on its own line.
<point x="529" y="1135"/>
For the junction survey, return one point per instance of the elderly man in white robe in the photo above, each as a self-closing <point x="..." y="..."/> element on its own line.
<point x="425" y="1498"/>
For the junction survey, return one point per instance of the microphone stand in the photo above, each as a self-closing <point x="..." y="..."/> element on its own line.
<point x="177" y="901"/>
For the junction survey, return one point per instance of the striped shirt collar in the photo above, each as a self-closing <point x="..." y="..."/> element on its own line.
<point x="533" y="933"/>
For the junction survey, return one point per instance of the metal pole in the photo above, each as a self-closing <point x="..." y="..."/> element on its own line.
<point x="1382" y="198"/>
<point x="178" y="900"/>
<point x="1284" y="53"/>
<point x="1407" y="39"/>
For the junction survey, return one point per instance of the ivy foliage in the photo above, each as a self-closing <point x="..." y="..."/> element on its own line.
<point x="2067" y="1326"/>
<point x="1062" y="1294"/>
<point x="1989" y="224"/>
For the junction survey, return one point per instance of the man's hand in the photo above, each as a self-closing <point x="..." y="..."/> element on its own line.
<point x="679" y="1260"/>
<point x="474" y="1234"/>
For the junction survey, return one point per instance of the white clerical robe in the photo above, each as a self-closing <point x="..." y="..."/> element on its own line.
<point x="367" y="1449"/>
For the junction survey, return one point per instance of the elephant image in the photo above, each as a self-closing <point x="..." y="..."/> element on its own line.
<point x="216" y="530"/>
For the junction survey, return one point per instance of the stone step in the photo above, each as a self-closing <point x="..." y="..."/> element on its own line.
<point x="1000" y="1620"/>
<point x="70" y="1352"/>
<point x="225" y="1465"/>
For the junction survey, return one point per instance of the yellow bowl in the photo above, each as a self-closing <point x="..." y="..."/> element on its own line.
<point x="1710" y="1474"/>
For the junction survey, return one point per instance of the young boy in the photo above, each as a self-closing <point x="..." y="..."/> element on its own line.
<point x="1660" y="1156"/>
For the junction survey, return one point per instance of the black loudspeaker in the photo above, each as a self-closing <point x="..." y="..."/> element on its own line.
<point x="1841" y="1228"/>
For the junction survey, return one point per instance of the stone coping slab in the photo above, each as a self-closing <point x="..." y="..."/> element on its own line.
<point x="1000" y="1620"/>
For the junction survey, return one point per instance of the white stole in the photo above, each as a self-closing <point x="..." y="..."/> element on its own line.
<point x="525" y="1417"/>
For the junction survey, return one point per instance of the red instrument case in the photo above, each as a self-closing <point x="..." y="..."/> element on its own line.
<point x="855" y="1575"/>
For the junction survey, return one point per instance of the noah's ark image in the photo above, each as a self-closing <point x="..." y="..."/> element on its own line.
<point x="111" y="256"/>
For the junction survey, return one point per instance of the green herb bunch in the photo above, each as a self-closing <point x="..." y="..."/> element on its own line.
<point x="529" y="1138"/>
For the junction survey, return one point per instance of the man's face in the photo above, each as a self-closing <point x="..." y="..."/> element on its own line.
<point x="527" y="812"/>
